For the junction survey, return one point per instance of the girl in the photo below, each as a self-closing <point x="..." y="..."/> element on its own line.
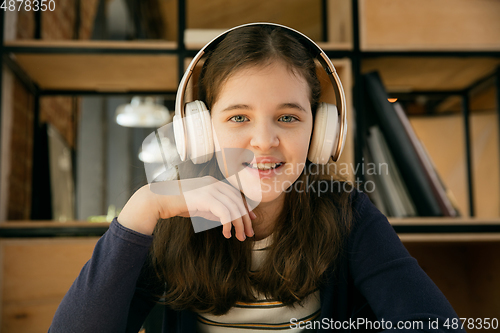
<point x="303" y="259"/>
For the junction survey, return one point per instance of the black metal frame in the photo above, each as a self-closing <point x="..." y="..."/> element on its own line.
<point x="356" y="55"/>
<point x="60" y="230"/>
<point x="2" y="25"/>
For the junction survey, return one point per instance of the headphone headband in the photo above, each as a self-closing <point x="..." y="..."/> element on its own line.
<point x="306" y="41"/>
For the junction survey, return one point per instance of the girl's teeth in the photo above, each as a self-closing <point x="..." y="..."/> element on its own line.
<point x="265" y="166"/>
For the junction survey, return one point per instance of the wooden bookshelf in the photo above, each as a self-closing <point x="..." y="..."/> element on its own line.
<point x="40" y="259"/>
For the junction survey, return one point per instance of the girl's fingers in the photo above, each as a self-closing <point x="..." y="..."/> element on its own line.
<point x="226" y="230"/>
<point x="225" y="203"/>
<point x="211" y="207"/>
<point x="248" y="225"/>
<point x="245" y="214"/>
<point x="236" y="214"/>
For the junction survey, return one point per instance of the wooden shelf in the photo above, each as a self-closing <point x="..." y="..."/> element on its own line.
<point x="98" y="65"/>
<point x="101" y="72"/>
<point x="21" y="229"/>
<point x="338" y="46"/>
<point x="404" y="74"/>
<point x="447" y="238"/>
<point x="326" y="46"/>
<point x="428" y="229"/>
<point x="450" y="221"/>
<point x="93" y="44"/>
<point x="421" y="221"/>
<point x="447" y="229"/>
<point x="5" y="225"/>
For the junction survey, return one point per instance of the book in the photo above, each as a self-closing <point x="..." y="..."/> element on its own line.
<point x="376" y="195"/>
<point x="395" y="192"/>
<point x="440" y="191"/>
<point x="405" y="156"/>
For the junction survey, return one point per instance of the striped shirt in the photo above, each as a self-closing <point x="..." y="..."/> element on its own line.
<point x="263" y="315"/>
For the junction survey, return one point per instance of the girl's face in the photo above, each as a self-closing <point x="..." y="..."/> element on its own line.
<point x="264" y="112"/>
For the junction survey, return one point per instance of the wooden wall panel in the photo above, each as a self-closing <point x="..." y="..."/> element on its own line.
<point x="36" y="274"/>
<point x="169" y="11"/>
<point x="429" y="25"/>
<point x="340" y="23"/>
<point x="59" y="23"/>
<point x="20" y="159"/>
<point x="302" y="15"/>
<point x="467" y="274"/>
<point x="445" y="265"/>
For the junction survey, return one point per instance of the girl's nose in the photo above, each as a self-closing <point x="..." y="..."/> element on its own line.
<point x="264" y="137"/>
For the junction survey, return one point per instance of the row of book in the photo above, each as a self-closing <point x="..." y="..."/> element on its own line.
<point x="405" y="179"/>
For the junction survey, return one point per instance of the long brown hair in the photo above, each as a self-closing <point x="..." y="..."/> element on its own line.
<point x="205" y="272"/>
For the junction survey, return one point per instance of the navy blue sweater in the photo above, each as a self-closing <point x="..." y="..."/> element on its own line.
<point x="377" y="280"/>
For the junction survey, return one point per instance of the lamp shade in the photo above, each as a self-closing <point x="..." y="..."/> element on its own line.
<point x="142" y="112"/>
<point x="161" y="162"/>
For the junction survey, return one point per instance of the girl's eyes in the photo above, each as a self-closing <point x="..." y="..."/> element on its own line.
<point x="288" y="119"/>
<point x="241" y="119"/>
<point x="238" y="118"/>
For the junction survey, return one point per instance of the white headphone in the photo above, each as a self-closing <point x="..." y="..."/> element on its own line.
<point x="193" y="127"/>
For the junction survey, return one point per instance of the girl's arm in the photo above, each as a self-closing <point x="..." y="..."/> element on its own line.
<point x="392" y="282"/>
<point x="103" y="298"/>
<point x="100" y="298"/>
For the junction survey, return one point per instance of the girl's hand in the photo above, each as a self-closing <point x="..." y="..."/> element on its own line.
<point x="214" y="200"/>
<point x="206" y="197"/>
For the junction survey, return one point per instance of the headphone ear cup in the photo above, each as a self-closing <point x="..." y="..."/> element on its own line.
<point x="325" y="134"/>
<point x="200" y="143"/>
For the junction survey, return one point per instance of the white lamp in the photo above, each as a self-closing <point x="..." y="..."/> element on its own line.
<point x="142" y="112"/>
<point x="149" y="152"/>
<point x="162" y="162"/>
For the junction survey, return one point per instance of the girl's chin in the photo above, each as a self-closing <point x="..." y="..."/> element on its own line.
<point x="270" y="197"/>
<point x="258" y="195"/>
